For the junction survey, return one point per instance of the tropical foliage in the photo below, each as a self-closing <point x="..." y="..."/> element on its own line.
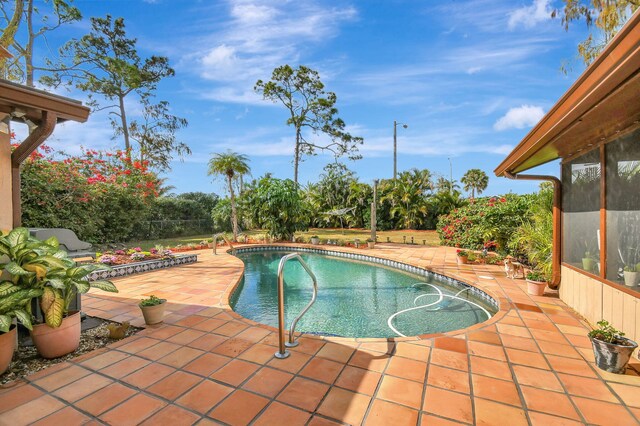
<point x="476" y="181"/>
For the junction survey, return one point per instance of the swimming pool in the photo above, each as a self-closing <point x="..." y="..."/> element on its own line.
<point x="356" y="297"/>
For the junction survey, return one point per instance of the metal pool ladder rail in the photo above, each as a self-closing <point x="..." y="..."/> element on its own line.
<point x="215" y="243"/>
<point x="282" y="351"/>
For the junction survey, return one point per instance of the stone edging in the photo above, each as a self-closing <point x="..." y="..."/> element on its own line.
<point x="145" y="266"/>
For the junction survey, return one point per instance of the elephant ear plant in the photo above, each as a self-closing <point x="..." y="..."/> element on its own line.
<point x="39" y="269"/>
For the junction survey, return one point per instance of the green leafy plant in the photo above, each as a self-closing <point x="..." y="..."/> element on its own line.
<point x="536" y="275"/>
<point x="151" y="301"/>
<point x="41" y="269"/>
<point x="607" y="333"/>
<point x="462" y="253"/>
<point x="472" y="257"/>
<point x="630" y="269"/>
<point x="370" y="240"/>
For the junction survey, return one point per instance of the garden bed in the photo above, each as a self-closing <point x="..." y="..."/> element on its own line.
<point x="143" y="266"/>
<point x="26" y="361"/>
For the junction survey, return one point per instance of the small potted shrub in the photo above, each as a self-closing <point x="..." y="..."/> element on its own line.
<point x="14" y="303"/>
<point x="611" y="349"/>
<point x="631" y="274"/>
<point x="462" y="257"/>
<point x="153" y="309"/>
<point x="315" y="240"/>
<point x="589" y="261"/>
<point x="536" y="283"/>
<point x="371" y="243"/>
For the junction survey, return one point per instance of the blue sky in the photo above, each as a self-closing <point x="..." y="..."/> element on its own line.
<point x="470" y="78"/>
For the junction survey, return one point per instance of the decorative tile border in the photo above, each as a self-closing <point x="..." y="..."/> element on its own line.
<point x="146" y="266"/>
<point x="478" y="293"/>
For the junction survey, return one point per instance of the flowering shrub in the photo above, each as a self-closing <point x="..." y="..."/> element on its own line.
<point x="107" y="259"/>
<point x="102" y="196"/>
<point x="487" y="223"/>
<point x="138" y="257"/>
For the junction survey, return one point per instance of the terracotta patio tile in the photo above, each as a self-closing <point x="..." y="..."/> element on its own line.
<point x="385" y="413"/>
<point x="496" y="390"/>
<point x="105" y="399"/>
<point x="82" y="387"/>
<point x="207" y="342"/>
<point x="516" y="342"/>
<point x="487" y="351"/>
<point x="185" y="337"/>
<point x="191" y="321"/>
<point x="293" y="364"/>
<point x="407" y="368"/>
<point x="385" y="347"/>
<point x="172" y="415"/>
<point x="550" y="336"/>
<point x="31" y="411"/>
<point x="165" y="331"/>
<point x="148" y="375"/>
<point x="258" y="353"/>
<point x="485" y="337"/>
<point x="276" y="414"/>
<point x="370" y="361"/>
<point x="235" y="372"/>
<point x="577" y="367"/>
<point x="490" y="367"/>
<point x="541" y="419"/>
<point x="125" y="367"/>
<point x="549" y="402"/>
<point x="401" y="391"/>
<point x="209" y="324"/>
<point x="411" y="351"/>
<point x="489" y="413"/>
<point x="321" y="421"/>
<point x="228" y="411"/>
<point x="431" y="420"/>
<point x="303" y="393"/>
<point x="13" y="396"/>
<point x="335" y="352"/>
<point x="589" y="388"/>
<point x="181" y="357"/>
<point x="206" y="364"/>
<point x="448" y="378"/>
<point x="629" y="394"/>
<point x="448" y="404"/>
<point x="537" y="378"/>
<point x="530" y="359"/>
<point x="450" y="359"/>
<point x="322" y="370"/>
<point x="451" y="344"/>
<point x="62" y="378"/>
<point x="268" y="382"/>
<point x="553" y="348"/>
<point x="156" y="352"/>
<point x="307" y="345"/>
<point x="174" y="385"/>
<point x="103" y="360"/>
<point x="138" y="345"/>
<point x="66" y="416"/>
<point x="603" y="413"/>
<point x="345" y="406"/>
<point x="358" y="380"/>
<point x="232" y="347"/>
<point x="230" y="329"/>
<point x="133" y="411"/>
<point x="253" y="334"/>
<point x="204" y="396"/>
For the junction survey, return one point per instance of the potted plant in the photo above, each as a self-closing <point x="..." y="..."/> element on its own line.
<point x="536" y="283"/>
<point x="588" y="261"/>
<point x="462" y="257"/>
<point x="153" y="309"/>
<point x="315" y="240"/>
<point x="55" y="279"/>
<point x="611" y="349"/>
<point x="631" y="275"/>
<point x="371" y="243"/>
<point x="15" y="302"/>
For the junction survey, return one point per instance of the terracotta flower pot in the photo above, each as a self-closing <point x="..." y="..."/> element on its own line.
<point x="7" y="347"/>
<point x="56" y="342"/>
<point x="462" y="260"/>
<point x="315" y="241"/>
<point x="536" y="288"/>
<point x="371" y="244"/>
<point x="153" y="314"/>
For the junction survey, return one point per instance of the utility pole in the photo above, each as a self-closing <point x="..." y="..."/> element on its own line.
<point x="395" y="148"/>
<point x="374" y="210"/>
<point x="450" y="176"/>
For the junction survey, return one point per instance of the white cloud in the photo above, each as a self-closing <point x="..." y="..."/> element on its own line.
<point x="529" y="16"/>
<point x="519" y="118"/>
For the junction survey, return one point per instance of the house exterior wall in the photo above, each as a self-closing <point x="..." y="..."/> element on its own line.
<point x="6" y="205"/>
<point x="595" y="300"/>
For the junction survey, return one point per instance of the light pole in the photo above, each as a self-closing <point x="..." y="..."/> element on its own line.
<point x="450" y="176"/>
<point x="374" y="210"/>
<point x="395" y="147"/>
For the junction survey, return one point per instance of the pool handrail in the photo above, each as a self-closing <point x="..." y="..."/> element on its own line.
<point x="282" y="351"/>
<point x="215" y="243"/>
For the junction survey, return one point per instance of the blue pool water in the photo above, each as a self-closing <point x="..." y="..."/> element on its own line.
<point x="355" y="299"/>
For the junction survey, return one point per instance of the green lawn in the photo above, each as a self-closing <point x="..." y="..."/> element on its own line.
<point x="429" y="238"/>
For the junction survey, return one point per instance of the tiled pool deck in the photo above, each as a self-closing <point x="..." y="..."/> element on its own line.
<point x="531" y="364"/>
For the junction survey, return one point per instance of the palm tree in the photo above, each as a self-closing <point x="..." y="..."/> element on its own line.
<point x="475" y="180"/>
<point x="231" y="165"/>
